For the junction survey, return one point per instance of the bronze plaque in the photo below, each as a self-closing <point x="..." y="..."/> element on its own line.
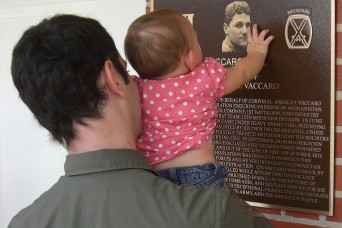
<point x="276" y="133"/>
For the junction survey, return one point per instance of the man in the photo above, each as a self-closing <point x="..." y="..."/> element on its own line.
<point x="69" y="73"/>
<point x="237" y="22"/>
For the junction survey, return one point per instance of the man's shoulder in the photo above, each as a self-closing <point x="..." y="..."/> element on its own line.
<point x="132" y="198"/>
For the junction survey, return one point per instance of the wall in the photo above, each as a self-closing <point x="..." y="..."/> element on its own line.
<point x="29" y="162"/>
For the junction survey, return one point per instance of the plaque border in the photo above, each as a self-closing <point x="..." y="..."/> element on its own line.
<point x="332" y="107"/>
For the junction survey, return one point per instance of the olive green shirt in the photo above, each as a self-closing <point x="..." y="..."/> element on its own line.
<point x="118" y="188"/>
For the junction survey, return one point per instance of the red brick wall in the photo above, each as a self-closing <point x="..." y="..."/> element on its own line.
<point x="285" y="219"/>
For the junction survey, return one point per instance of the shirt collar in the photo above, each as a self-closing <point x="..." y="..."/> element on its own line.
<point x="104" y="160"/>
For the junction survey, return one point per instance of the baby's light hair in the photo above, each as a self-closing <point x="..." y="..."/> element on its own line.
<point x="156" y="42"/>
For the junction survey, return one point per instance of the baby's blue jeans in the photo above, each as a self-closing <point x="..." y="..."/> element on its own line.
<point x="200" y="175"/>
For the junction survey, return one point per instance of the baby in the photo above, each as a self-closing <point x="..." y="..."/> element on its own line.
<point x="179" y="92"/>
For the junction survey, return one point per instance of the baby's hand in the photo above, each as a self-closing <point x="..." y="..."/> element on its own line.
<point x="257" y="42"/>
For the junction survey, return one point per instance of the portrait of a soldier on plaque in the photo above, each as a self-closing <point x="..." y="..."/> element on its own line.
<point x="237" y="21"/>
<point x="275" y="133"/>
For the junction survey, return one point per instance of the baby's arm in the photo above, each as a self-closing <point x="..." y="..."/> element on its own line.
<point x="246" y="68"/>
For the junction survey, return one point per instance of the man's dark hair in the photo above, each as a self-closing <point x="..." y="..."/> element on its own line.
<point x="55" y="68"/>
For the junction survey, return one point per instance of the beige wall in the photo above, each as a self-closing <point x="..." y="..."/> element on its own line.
<point x="29" y="162"/>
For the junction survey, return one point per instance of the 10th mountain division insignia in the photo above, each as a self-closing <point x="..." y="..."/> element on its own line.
<point x="298" y="29"/>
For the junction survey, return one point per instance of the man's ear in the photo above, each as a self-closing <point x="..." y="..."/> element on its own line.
<point x="113" y="80"/>
<point x="189" y="60"/>
<point x="225" y="27"/>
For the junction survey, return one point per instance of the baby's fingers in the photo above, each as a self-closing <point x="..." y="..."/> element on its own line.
<point x="252" y="33"/>
<point x="263" y="34"/>
<point x="268" y="40"/>
<point x="255" y="32"/>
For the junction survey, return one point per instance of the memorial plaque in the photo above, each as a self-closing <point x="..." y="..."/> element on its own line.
<point x="276" y="133"/>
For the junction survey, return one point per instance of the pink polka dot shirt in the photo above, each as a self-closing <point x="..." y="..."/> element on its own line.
<point x="179" y="113"/>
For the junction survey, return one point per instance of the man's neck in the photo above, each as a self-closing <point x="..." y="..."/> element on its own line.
<point x="98" y="134"/>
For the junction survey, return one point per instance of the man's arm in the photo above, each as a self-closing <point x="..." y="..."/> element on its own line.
<point x="237" y="213"/>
